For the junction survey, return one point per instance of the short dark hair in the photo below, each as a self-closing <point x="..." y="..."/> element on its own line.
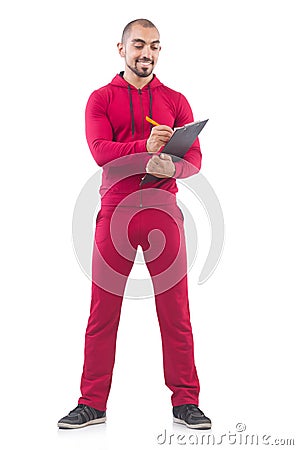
<point x="143" y="22"/>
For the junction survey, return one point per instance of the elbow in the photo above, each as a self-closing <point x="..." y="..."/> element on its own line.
<point x="195" y="169"/>
<point x="199" y="166"/>
<point x="196" y="166"/>
<point x="97" y="153"/>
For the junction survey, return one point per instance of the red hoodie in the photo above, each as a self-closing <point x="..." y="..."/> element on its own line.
<point x="116" y="128"/>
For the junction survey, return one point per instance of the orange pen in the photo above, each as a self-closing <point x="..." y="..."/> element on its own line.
<point x="152" y="121"/>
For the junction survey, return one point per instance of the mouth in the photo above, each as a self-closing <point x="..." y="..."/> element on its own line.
<point x="144" y="63"/>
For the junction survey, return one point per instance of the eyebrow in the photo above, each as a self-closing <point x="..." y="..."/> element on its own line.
<point x="143" y="42"/>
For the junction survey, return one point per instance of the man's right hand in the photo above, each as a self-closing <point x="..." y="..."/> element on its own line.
<point x="159" y="136"/>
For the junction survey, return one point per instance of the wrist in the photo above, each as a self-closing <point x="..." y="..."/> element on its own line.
<point x="148" y="148"/>
<point x="173" y="176"/>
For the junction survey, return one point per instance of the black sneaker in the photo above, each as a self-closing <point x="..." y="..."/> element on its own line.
<point x="82" y="416"/>
<point x="191" y="416"/>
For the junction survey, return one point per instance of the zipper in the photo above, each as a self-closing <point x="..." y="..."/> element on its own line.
<point x="142" y="111"/>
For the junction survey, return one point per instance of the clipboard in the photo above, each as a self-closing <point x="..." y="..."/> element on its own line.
<point x="181" y="140"/>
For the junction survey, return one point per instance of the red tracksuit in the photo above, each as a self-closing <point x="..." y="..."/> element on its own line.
<point x="132" y="215"/>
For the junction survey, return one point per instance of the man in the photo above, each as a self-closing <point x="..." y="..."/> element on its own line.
<point x="127" y="146"/>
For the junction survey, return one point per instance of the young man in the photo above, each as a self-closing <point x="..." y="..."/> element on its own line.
<point x="127" y="146"/>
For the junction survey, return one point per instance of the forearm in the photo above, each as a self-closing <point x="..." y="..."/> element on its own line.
<point x="104" y="151"/>
<point x="190" y="164"/>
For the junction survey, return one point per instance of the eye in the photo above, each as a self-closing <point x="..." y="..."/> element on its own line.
<point x="139" y="47"/>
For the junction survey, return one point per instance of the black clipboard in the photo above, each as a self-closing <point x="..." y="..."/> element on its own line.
<point x="181" y="140"/>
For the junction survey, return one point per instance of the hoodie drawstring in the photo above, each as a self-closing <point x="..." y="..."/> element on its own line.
<point x="150" y="102"/>
<point x="132" y="112"/>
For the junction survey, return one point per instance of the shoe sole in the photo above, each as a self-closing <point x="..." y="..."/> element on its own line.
<point x="72" y="426"/>
<point x="200" y="426"/>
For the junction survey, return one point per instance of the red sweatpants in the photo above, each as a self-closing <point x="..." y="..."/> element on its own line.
<point x="160" y="233"/>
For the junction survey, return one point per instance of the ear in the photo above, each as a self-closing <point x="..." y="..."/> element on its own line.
<point x="121" y="49"/>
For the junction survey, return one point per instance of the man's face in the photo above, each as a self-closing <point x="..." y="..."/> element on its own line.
<point x="141" y="50"/>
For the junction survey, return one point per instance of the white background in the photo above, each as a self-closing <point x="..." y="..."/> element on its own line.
<point x="236" y="63"/>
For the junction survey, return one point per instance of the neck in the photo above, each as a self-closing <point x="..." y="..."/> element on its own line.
<point x="134" y="80"/>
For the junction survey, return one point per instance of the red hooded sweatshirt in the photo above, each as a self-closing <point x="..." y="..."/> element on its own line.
<point x="117" y="132"/>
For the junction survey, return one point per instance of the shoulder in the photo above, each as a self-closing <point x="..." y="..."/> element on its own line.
<point x="102" y="91"/>
<point x="170" y="92"/>
<point x="177" y="97"/>
<point x="100" y="97"/>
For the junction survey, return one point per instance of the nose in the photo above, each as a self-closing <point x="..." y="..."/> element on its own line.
<point x="146" y="52"/>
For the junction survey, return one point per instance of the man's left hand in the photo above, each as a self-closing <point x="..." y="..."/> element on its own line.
<point x="161" y="166"/>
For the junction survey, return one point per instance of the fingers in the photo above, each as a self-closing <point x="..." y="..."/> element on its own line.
<point x="162" y="132"/>
<point x="162" y="167"/>
<point x="163" y="128"/>
<point x="156" y="159"/>
<point x="154" y="164"/>
<point x="159" y="136"/>
<point x="165" y="156"/>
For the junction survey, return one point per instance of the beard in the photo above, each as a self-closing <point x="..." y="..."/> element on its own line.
<point x="144" y="71"/>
